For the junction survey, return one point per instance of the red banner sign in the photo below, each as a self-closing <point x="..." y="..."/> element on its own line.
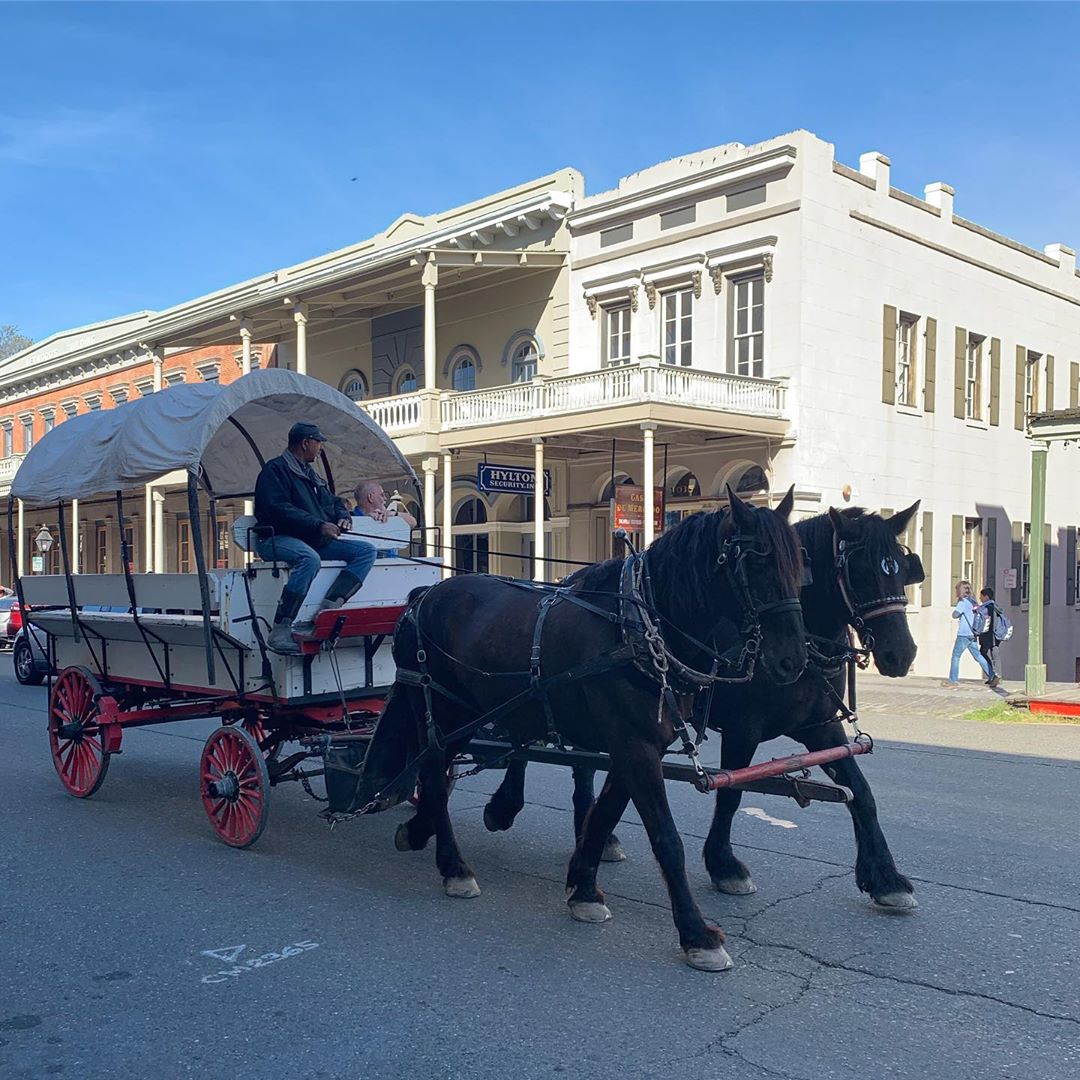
<point x="628" y="508"/>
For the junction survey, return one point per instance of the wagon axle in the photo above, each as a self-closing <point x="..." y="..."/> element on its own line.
<point x="228" y="787"/>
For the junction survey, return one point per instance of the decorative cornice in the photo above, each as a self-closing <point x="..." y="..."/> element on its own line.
<point x="695" y="278"/>
<point x="650" y="294"/>
<point x="766" y="262"/>
<point x="633" y="298"/>
<point x="590" y="303"/>
<point x="717" y="275"/>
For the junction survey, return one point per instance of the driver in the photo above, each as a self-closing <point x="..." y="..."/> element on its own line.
<point x="307" y="519"/>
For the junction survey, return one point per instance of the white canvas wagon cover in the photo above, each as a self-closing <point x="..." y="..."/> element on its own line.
<point x="229" y="430"/>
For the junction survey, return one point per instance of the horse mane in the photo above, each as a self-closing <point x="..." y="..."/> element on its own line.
<point x="874" y="531"/>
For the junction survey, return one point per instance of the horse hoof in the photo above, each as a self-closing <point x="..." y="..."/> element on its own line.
<point x="461" y="888"/>
<point x="734" y="886"/>
<point x="613" y="851"/>
<point x="491" y="822"/>
<point x="591" y="912"/>
<point x="896" y="901"/>
<point x="709" y="959"/>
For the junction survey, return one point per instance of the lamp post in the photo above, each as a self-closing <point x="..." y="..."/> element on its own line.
<point x="44" y="543"/>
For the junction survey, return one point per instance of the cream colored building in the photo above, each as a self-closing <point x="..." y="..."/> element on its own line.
<point x="760" y="316"/>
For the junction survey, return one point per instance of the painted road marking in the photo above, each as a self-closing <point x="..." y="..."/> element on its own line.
<point x="229" y="954"/>
<point x="756" y="811"/>
<point x="232" y="952"/>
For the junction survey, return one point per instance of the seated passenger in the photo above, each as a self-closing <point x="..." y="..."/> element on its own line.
<point x="307" y="520"/>
<point x="371" y="502"/>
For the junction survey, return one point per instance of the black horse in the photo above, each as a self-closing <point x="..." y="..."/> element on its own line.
<point x="470" y="644"/>
<point x="859" y="575"/>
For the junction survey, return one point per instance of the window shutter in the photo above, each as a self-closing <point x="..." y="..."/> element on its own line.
<point x="1046" y="563"/>
<point x="995" y="381"/>
<point x="1074" y="386"/>
<point x="959" y="374"/>
<point x="927" y="557"/>
<point x="1049" y="384"/>
<point x="888" y="356"/>
<point x="1070" y="565"/>
<point x="990" y="570"/>
<point x="930" y="366"/>
<point x="1018" y="412"/>
<point x="957" y="549"/>
<point x="1017" y="558"/>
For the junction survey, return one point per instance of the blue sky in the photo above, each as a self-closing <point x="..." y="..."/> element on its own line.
<point x="150" y="153"/>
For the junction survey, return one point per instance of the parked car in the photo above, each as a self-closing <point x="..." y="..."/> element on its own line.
<point x="29" y="656"/>
<point x="6" y="604"/>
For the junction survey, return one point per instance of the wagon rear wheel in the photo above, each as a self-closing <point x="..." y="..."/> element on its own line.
<point x="235" y="785"/>
<point x="75" y="735"/>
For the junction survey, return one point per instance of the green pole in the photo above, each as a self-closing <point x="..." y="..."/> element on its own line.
<point x="1035" y="672"/>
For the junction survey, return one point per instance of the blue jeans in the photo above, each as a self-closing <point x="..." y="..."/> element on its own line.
<point x="962" y="645"/>
<point x="304" y="561"/>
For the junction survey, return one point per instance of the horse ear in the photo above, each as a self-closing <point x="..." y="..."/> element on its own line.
<point x="899" y="522"/>
<point x="839" y="523"/>
<point x="742" y="514"/>
<point x="787" y="503"/>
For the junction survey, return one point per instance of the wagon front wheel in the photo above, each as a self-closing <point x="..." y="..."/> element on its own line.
<point x="75" y="734"/>
<point x="235" y="785"/>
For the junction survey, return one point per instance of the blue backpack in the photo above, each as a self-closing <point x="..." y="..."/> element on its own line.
<point x="1003" y="628"/>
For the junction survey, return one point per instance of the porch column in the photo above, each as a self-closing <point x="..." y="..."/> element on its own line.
<point x="1035" y="671"/>
<point x="159" y="533"/>
<point x="430" y="278"/>
<point x="20" y="546"/>
<point x="539" y="566"/>
<point x="648" y="430"/>
<point x="75" y="536"/>
<point x="245" y="345"/>
<point x="300" y="317"/>
<point x="430" y="466"/>
<point x="148" y="529"/>
<point x="448" y="514"/>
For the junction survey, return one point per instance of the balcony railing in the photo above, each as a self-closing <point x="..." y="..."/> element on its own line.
<point x="8" y="467"/>
<point x="611" y="387"/>
<point x="398" y="415"/>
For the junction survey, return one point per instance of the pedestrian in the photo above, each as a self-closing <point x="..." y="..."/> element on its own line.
<point x="965" y="612"/>
<point x="988" y="634"/>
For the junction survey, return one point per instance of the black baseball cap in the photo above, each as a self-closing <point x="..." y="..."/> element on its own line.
<point x="305" y="431"/>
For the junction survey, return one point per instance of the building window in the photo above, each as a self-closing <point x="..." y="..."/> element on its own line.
<point x="49" y="419"/>
<point x="684" y="215"/>
<point x="747" y="340"/>
<point x="740" y="200"/>
<point x="1025" y="565"/>
<point x="354" y="386"/>
<point x="617" y="333"/>
<point x="101" y="548"/>
<point x="1032" y="371"/>
<point x="972" y="565"/>
<point x="119" y="395"/>
<point x="463" y="375"/>
<point x="27" y="434"/>
<point x="618" y="235"/>
<point x="471" y="548"/>
<point x="174" y="378"/>
<point x="210" y="372"/>
<point x="678" y="327"/>
<point x="906" y="339"/>
<point x="144" y="386"/>
<point x="93" y="402"/>
<point x="973" y="377"/>
<point x="523" y="366"/>
<point x="686" y="487"/>
<point x="9" y="440"/>
<point x="405" y="381"/>
<point x="183" y="547"/>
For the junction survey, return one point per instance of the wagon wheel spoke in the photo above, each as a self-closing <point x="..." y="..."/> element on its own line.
<point x="233" y="763"/>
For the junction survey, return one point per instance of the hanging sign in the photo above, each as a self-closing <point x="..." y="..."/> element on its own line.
<point x="516" y="479"/>
<point x="628" y="508"/>
<point x="1008" y="578"/>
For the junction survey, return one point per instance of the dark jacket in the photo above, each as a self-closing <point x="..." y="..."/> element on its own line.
<point x="293" y="506"/>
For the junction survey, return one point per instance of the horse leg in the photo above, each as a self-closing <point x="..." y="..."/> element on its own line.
<point x="875" y="870"/>
<point x="508" y="800"/>
<point x="583" y="803"/>
<point x="729" y="874"/>
<point x="640" y="766"/>
<point x="585" y="899"/>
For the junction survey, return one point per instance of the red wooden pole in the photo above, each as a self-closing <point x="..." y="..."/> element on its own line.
<point x="726" y="778"/>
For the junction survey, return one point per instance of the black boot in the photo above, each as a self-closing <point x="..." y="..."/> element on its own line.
<point x="281" y="639"/>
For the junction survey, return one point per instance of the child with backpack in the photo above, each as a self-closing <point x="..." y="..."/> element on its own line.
<point x="994" y="628"/>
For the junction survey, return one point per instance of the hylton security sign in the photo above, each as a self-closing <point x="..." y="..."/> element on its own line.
<point x="511" y="478"/>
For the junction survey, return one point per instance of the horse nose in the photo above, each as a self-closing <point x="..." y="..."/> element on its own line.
<point x="787" y="669"/>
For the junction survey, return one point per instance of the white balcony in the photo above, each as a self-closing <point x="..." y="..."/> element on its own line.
<point x="399" y="415"/>
<point x="8" y="467"/>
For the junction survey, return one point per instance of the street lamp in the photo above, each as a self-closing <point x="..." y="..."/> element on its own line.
<point x="44" y="543"/>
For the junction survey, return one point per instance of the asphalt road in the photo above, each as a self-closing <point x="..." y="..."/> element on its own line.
<point x="110" y="908"/>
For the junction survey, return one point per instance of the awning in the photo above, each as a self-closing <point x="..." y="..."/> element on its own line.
<point x="229" y="430"/>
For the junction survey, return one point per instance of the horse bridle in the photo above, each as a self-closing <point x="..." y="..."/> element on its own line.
<point x="861" y="611"/>
<point x="733" y="559"/>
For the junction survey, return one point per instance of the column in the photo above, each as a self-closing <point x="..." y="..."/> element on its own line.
<point x="1035" y="672"/>
<point x="158" y="357"/>
<point x="430" y="278"/>
<point x="74" y="554"/>
<point x="300" y="317"/>
<point x="539" y="566"/>
<point x="245" y="345"/>
<point x="649" y="480"/>
<point x="20" y="546"/>
<point x="430" y="466"/>
<point x="448" y="514"/>
<point x="148" y="529"/>
<point x="159" y="533"/>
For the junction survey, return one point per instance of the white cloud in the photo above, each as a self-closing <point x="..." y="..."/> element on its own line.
<point x="73" y="137"/>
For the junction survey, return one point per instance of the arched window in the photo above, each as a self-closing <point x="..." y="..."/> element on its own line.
<point x="524" y="361"/>
<point x="471" y="512"/>
<point x="354" y="386"/>
<point x="471" y="548"/>
<point x="405" y="380"/>
<point x="686" y="487"/>
<point x="609" y="490"/>
<point x="463" y="376"/>
<point x="751" y="481"/>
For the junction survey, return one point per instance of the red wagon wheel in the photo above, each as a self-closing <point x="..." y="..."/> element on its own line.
<point x="258" y="731"/>
<point x="75" y="735"/>
<point x="235" y="785"/>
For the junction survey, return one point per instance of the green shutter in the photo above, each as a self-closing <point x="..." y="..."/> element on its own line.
<point x="927" y="557"/>
<point x="930" y="366"/>
<point x="1049" y="384"/>
<point x="1070" y="565"/>
<point x="888" y="356"/>
<point x="1018" y="560"/>
<point x="960" y="374"/>
<point x="957" y="549"/>
<point x="995" y="381"/>
<point x="1018" y="410"/>
<point x="1046" y="563"/>
<point x="1074" y="386"/>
